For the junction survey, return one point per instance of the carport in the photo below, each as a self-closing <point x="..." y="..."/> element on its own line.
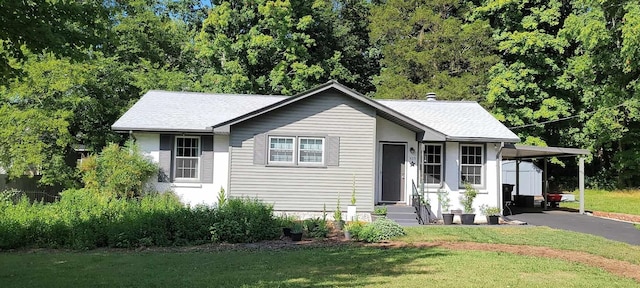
<point x="522" y="152"/>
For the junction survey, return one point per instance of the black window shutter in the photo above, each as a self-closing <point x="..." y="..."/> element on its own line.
<point x="165" y="161"/>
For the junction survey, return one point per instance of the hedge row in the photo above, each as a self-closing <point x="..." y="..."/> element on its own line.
<point x="84" y="220"/>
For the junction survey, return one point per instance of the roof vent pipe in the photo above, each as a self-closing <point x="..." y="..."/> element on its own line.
<point x="431" y="96"/>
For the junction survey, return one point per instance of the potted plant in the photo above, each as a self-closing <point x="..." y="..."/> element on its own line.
<point x="296" y="231"/>
<point x="492" y="214"/>
<point x="379" y="212"/>
<point x="337" y="216"/>
<point x="468" y="217"/>
<point x="287" y="224"/>
<point x="352" y="229"/>
<point x="351" y="209"/>
<point x="443" y="199"/>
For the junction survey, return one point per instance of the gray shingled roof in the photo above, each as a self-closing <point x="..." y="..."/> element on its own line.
<point x="186" y="111"/>
<point x="165" y="111"/>
<point x="459" y="120"/>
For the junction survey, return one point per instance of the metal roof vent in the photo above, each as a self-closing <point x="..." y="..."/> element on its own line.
<point x="431" y="96"/>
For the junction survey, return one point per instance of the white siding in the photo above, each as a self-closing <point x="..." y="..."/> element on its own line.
<point x="308" y="188"/>
<point x="387" y="131"/>
<point x="191" y="193"/>
<point x="489" y="194"/>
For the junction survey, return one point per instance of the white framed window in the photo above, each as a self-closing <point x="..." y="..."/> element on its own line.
<point x="187" y="157"/>
<point x="310" y="150"/>
<point x="281" y="149"/>
<point x="471" y="164"/>
<point x="432" y="164"/>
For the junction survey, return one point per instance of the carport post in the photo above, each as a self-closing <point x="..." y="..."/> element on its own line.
<point x="545" y="189"/>
<point x="581" y="183"/>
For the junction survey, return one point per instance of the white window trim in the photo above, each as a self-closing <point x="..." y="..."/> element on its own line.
<point x="441" y="164"/>
<point x="482" y="170"/>
<point x="294" y="148"/>
<point x="175" y="157"/>
<point x="321" y="163"/>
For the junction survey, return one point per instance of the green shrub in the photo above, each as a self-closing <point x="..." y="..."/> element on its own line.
<point x="379" y="230"/>
<point x="244" y="220"/>
<point x="355" y="228"/>
<point x="118" y="171"/>
<point x="316" y="228"/>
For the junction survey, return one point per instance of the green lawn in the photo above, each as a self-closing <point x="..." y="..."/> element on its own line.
<point x="527" y="235"/>
<point x="348" y="266"/>
<point x="621" y="201"/>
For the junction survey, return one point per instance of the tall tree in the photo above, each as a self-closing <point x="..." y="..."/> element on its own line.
<point x="606" y="73"/>
<point x="281" y="47"/>
<point x="53" y="25"/>
<point x="527" y="86"/>
<point x="431" y="46"/>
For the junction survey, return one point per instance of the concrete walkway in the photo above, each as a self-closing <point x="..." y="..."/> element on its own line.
<point x="610" y="229"/>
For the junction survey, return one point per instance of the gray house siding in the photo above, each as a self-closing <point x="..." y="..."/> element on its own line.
<point x="329" y="114"/>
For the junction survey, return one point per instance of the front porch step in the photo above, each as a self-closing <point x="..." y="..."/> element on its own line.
<point x="402" y="214"/>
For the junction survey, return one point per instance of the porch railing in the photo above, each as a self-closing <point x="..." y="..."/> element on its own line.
<point x="423" y="210"/>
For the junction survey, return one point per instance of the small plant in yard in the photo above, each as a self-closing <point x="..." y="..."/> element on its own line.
<point x="297" y="227"/>
<point x="354" y="227"/>
<point x="381" y="210"/>
<point x="222" y="197"/>
<point x="467" y="198"/>
<point x="489" y="210"/>
<point x="316" y="228"/>
<point x="444" y="200"/>
<point x="353" y="191"/>
<point x="380" y="230"/>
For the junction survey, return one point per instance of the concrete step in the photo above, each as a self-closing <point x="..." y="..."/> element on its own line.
<point x="401" y="216"/>
<point x="398" y="208"/>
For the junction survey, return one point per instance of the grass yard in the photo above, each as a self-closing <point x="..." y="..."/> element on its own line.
<point x="527" y="235"/>
<point x="346" y="266"/>
<point x="620" y="201"/>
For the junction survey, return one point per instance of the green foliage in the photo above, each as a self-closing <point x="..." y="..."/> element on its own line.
<point x="431" y="46"/>
<point x="467" y="198"/>
<point x="379" y="230"/>
<point x="222" y="197"/>
<point x="489" y="211"/>
<point x="353" y="191"/>
<point x="297" y="227"/>
<point x="281" y="47"/>
<point x="85" y="220"/>
<point x="444" y="200"/>
<point x="380" y="210"/>
<point x="118" y="171"/>
<point x="316" y="228"/>
<point x="355" y="228"/>
<point x="244" y="220"/>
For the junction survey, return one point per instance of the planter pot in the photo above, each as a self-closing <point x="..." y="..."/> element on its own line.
<point x="493" y="219"/>
<point x="375" y="217"/>
<point x="286" y="232"/>
<point x="468" y="219"/>
<point x="347" y="235"/>
<point x="447" y="218"/>
<point x="296" y="236"/>
<point x="351" y="213"/>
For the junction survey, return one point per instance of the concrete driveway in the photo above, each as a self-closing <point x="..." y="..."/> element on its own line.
<point x="610" y="229"/>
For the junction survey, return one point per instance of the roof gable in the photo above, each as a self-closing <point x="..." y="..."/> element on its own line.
<point x="382" y="110"/>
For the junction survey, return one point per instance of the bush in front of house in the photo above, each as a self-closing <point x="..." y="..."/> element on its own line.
<point x="379" y="230"/>
<point x="117" y="209"/>
<point x="242" y="220"/>
<point x="84" y="220"/>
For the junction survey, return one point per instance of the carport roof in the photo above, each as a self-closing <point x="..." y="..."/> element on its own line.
<point x="511" y="151"/>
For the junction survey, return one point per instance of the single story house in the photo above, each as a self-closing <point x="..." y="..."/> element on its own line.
<point x="303" y="152"/>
